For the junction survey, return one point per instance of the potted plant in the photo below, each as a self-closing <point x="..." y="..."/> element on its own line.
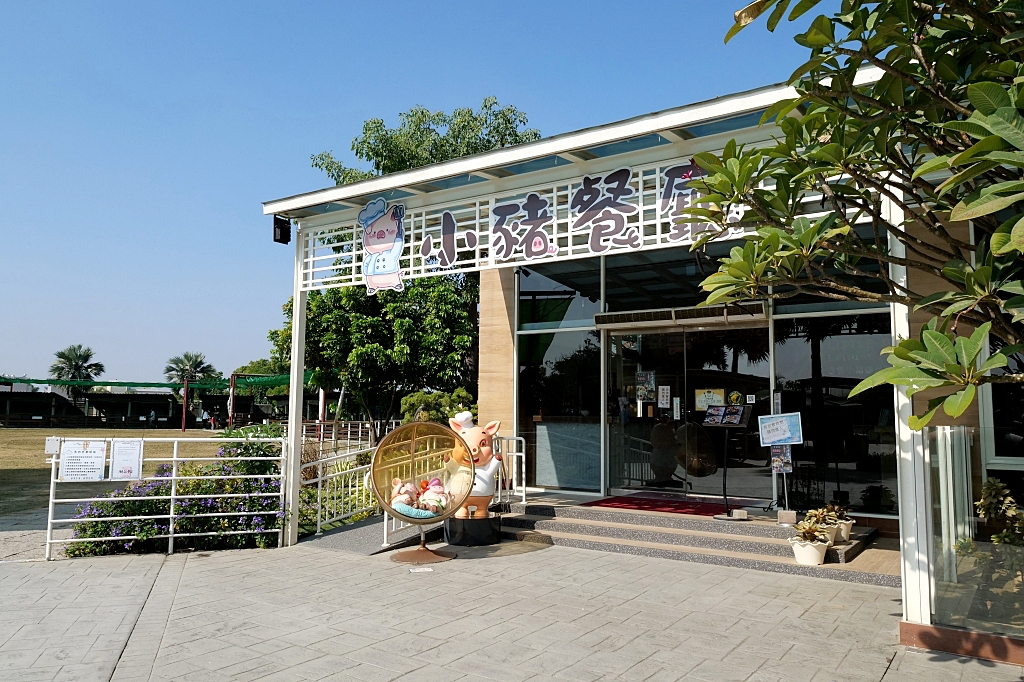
<point x="826" y="520"/>
<point x="843" y="520"/>
<point x="809" y="543"/>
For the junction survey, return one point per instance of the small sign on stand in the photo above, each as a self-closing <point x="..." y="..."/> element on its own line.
<point x="728" y="417"/>
<point x="781" y="432"/>
<point x="664" y="397"/>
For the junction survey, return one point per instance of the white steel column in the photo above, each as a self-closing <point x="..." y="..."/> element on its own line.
<point x="603" y="403"/>
<point x="293" y="474"/>
<point x="912" y="467"/>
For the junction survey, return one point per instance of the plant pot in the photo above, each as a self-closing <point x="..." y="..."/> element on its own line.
<point x="832" y="532"/>
<point x="808" y="553"/>
<point x="845" y="528"/>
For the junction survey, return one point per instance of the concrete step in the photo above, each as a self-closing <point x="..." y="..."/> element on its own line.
<point x="705" y="555"/>
<point x="754" y="528"/>
<point x="721" y="539"/>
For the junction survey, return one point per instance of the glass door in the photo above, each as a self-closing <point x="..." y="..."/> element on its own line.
<point x="659" y="386"/>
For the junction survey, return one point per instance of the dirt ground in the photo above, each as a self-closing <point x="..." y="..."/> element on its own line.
<point x="25" y="475"/>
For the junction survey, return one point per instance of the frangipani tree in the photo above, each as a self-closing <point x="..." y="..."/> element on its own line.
<point x="871" y="178"/>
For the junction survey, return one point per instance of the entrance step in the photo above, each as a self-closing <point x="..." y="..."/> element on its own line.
<point x="760" y="545"/>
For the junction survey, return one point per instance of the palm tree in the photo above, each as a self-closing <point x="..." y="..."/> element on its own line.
<point x="74" y="363"/>
<point x="192" y="367"/>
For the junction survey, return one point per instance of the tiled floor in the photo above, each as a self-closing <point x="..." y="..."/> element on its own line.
<point x="511" y="612"/>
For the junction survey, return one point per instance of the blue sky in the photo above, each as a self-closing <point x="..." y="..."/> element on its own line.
<point x="137" y="140"/>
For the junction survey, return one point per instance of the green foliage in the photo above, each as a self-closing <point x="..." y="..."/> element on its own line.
<point x="809" y="531"/>
<point x="840" y="512"/>
<point x="194" y="368"/>
<point x="263" y="366"/>
<point x="424" y="137"/>
<point x="436" y="406"/>
<point x="385" y="346"/>
<point x="260" y="514"/>
<point x="939" y="135"/>
<point x="74" y="363"/>
<point x="1000" y="510"/>
<point x="823" y="516"/>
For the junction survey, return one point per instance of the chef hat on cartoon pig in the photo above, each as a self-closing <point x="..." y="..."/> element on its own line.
<point x="465" y="419"/>
<point x="372" y="211"/>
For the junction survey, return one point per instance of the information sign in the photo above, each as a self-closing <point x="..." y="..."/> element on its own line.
<point x="126" y="459"/>
<point x="708" y="397"/>
<point x="52" y="445"/>
<point x="664" y="397"/>
<point x="676" y="408"/>
<point x="780" y="429"/>
<point x="82" y="460"/>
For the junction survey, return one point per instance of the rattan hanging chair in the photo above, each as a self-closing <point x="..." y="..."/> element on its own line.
<point x="413" y="455"/>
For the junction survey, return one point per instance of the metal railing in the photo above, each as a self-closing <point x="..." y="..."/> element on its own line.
<point x="512" y="474"/>
<point x="342" y="487"/>
<point x="173" y="474"/>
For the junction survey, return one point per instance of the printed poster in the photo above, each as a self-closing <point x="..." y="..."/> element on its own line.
<point x="126" y="459"/>
<point x="707" y="397"/>
<point x="645" y="387"/>
<point x="82" y="460"/>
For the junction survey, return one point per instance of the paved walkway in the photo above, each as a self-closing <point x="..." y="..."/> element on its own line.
<point x="512" y="613"/>
<point x="23" y="536"/>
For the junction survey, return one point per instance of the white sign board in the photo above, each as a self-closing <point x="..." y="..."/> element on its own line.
<point x="52" y="445"/>
<point x="126" y="459"/>
<point x="82" y="460"/>
<point x="625" y="210"/>
<point x="676" y="408"/>
<point x="780" y="429"/>
<point x="664" y="396"/>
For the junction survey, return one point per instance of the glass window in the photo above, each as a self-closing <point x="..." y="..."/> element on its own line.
<point x="559" y="409"/>
<point x="1007" y="416"/>
<point x="977" y="550"/>
<point x="849" y="453"/>
<point x="559" y="295"/>
<point x="664" y="278"/>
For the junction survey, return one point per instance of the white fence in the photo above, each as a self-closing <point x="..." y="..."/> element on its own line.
<point x="178" y="470"/>
<point x="334" y="487"/>
<point x="342" y="489"/>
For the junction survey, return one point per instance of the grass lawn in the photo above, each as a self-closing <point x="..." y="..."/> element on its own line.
<point x="25" y="475"/>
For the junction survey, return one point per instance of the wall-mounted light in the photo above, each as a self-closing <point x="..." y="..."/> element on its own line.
<point x="282" y="230"/>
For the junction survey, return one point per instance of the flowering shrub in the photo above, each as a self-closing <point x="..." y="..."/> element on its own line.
<point x="222" y="522"/>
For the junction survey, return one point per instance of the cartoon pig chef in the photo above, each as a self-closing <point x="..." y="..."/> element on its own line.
<point x="383" y="242"/>
<point x="485" y="463"/>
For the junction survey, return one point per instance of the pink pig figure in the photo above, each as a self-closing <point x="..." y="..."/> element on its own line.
<point x="485" y="463"/>
<point x="383" y="242"/>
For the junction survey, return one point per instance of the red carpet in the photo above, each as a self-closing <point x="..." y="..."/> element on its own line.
<point x="664" y="505"/>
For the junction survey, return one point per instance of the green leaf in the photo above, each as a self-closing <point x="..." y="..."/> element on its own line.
<point x="821" y="33"/>
<point x="917" y="423"/>
<point x="956" y="404"/>
<point x="802" y="8"/>
<point x="777" y="14"/>
<point x="994" y="362"/>
<point x="968" y="348"/>
<point x="992" y="143"/>
<point x="983" y="206"/>
<point x="939" y="343"/>
<point x="1007" y="124"/>
<point x="938" y="163"/>
<point x="877" y="379"/>
<point x="987" y="97"/>
<point x="972" y="127"/>
<point x="1014" y="287"/>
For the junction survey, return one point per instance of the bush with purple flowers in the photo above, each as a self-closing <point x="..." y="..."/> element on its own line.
<point x="242" y="510"/>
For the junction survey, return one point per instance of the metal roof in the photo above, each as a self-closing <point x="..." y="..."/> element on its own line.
<point x="725" y="114"/>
